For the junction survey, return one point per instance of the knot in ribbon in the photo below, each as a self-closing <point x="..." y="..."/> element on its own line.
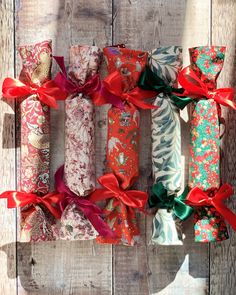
<point x="199" y="198"/>
<point x="91" y="211"/>
<point x="196" y="88"/>
<point x="67" y="85"/>
<point x="162" y="200"/>
<point x="111" y="91"/>
<point x="17" y="199"/>
<point x="151" y="81"/>
<point x="131" y="198"/>
<point x="48" y="93"/>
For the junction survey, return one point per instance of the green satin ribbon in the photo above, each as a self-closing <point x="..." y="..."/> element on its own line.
<point x="150" y="81"/>
<point x="162" y="200"/>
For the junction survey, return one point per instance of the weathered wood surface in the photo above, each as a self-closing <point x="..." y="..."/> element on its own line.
<point x="81" y="268"/>
<point x="222" y="255"/>
<point x="7" y="154"/>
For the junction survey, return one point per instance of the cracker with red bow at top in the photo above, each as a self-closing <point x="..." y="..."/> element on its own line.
<point x="120" y="89"/>
<point x="79" y="168"/>
<point x="199" y="82"/>
<point x="36" y="93"/>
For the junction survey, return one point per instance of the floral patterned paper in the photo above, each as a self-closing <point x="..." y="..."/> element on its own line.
<point x="166" y="62"/>
<point x="79" y="124"/>
<point x="35" y="120"/>
<point x="75" y="226"/>
<point x="123" y="143"/>
<point x="36" y="223"/>
<point x="204" y="162"/>
<point x="79" y="169"/>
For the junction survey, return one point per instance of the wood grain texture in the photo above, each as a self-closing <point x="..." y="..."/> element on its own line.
<point x="222" y="255"/>
<point x="86" y="268"/>
<point x="65" y="267"/>
<point x="7" y="153"/>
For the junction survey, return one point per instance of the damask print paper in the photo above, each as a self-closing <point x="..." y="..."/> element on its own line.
<point x="166" y="62"/>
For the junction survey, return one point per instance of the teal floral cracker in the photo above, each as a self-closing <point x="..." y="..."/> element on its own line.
<point x="166" y="62"/>
<point x="204" y="161"/>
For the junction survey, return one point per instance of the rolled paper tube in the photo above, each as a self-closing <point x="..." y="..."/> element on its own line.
<point x="123" y="143"/>
<point x="36" y="223"/>
<point x="166" y="62"/>
<point x="79" y="123"/>
<point x="35" y="120"/>
<point x="204" y="161"/>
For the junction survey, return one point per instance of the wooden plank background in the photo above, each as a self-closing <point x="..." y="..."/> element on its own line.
<point x="86" y="268"/>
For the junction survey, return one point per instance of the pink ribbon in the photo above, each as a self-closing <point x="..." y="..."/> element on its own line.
<point x="66" y="84"/>
<point x="90" y="210"/>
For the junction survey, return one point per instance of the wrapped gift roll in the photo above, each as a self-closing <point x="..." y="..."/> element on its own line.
<point x="79" y="123"/>
<point x="79" y="168"/>
<point x="204" y="162"/>
<point x="164" y="64"/>
<point x="38" y="214"/>
<point x="35" y="120"/>
<point x="37" y="93"/>
<point x="124" y="67"/>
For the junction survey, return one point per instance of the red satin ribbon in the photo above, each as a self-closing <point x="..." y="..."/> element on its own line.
<point x="20" y="199"/>
<point x="195" y="88"/>
<point x="48" y="93"/>
<point x="111" y="91"/>
<point x="131" y="198"/>
<point x="67" y="85"/>
<point x="199" y="198"/>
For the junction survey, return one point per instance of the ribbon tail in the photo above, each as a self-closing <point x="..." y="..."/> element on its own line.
<point x="226" y="213"/>
<point x="100" y="225"/>
<point x="180" y="102"/>
<point x="181" y="210"/>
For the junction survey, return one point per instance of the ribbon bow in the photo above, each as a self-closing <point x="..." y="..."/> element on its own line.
<point x="131" y="198"/>
<point x="67" y="85"/>
<point x="20" y="199"/>
<point x="151" y="81"/>
<point x="199" y="198"/>
<point x="111" y="91"/>
<point x="91" y="211"/>
<point x="48" y="93"/>
<point x="162" y="200"/>
<point x="196" y="88"/>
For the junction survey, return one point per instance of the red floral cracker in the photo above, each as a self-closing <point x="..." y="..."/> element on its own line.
<point x="35" y="120"/>
<point x="123" y="143"/>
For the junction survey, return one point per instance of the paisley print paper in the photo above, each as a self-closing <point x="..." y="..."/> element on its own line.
<point x="166" y="62"/>
<point x="79" y="123"/>
<point x="122" y="143"/>
<point x="204" y="162"/>
<point x="35" y="117"/>
<point x="36" y="223"/>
